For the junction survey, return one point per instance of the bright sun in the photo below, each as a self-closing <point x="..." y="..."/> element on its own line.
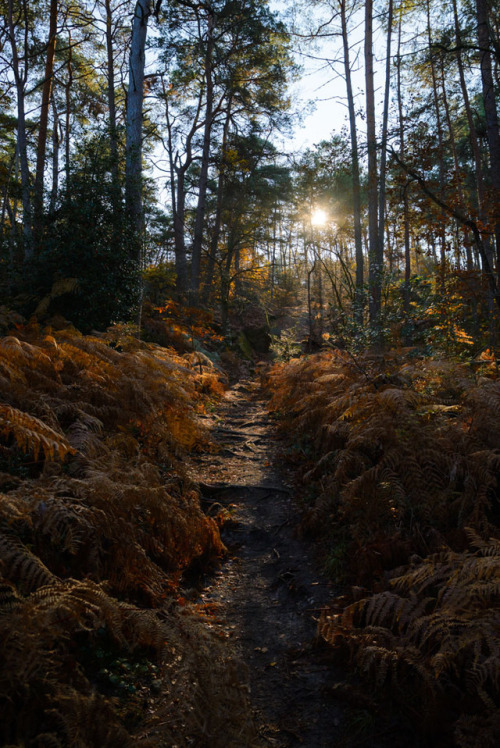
<point x="318" y="217"/>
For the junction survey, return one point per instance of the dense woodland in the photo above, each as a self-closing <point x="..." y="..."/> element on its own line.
<point x="157" y="229"/>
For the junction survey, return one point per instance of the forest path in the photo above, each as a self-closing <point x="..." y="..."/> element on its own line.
<point x="268" y="593"/>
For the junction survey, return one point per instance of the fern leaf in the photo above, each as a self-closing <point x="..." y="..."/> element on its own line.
<point x="21" y="565"/>
<point x="31" y="434"/>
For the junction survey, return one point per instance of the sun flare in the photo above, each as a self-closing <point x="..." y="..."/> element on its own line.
<point x="318" y="217"/>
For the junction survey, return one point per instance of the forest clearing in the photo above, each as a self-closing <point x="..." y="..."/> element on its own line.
<point x="249" y="373"/>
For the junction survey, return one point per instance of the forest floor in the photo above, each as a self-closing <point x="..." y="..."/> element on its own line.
<point x="268" y="593"/>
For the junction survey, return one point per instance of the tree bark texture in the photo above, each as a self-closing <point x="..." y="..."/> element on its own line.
<point x="214" y="241"/>
<point x="20" y="78"/>
<point x="439" y="127"/>
<point x="383" y="150"/>
<point x="406" y="219"/>
<point x="135" y="99"/>
<point x="205" y="158"/>
<point x="113" y="138"/>
<point x="490" y="110"/>
<point x="44" y="117"/>
<point x="375" y="267"/>
<point x="55" y="157"/>
<point x="356" y="188"/>
<point x="473" y="138"/>
<point x="68" y="86"/>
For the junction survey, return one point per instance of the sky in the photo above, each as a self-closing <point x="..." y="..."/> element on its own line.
<point x="317" y="93"/>
<point x="320" y="91"/>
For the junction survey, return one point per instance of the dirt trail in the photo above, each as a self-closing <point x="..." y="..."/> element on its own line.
<point x="268" y="593"/>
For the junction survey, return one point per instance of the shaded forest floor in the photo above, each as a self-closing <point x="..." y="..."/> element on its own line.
<point x="268" y="591"/>
<point x="267" y="595"/>
<point x="112" y="568"/>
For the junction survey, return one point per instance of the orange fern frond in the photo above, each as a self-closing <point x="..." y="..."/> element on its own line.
<point x="22" y="566"/>
<point x="32" y="434"/>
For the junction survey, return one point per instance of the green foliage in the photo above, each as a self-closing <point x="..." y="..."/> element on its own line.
<point x="455" y="321"/>
<point x="285" y="346"/>
<point x="87" y="239"/>
<point x="159" y="282"/>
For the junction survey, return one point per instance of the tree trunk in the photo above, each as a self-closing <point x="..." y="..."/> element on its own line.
<point x="456" y="164"/>
<point x="385" y="120"/>
<point x="310" y="272"/>
<point x="22" y="142"/>
<point x="490" y="110"/>
<point x="17" y="169"/>
<point x="356" y="188"/>
<point x="44" y="118"/>
<point x="178" y="170"/>
<point x="67" y="142"/>
<point x="225" y="282"/>
<point x="135" y="98"/>
<point x="439" y="128"/>
<point x="5" y="193"/>
<point x="55" y="158"/>
<point x="203" y="180"/>
<point x="473" y="139"/>
<point x="176" y="174"/>
<point x="113" y="138"/>
<point x="274" y="220"/>
<point x="375" y="266"/>
<point x="179" y="234"/>
<point x="406" y="221"/>
<point x="214" y="242"/>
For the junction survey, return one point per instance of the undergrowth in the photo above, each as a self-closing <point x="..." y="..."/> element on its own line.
<point x="406" y="505"/>
<point x="98" y="523"/>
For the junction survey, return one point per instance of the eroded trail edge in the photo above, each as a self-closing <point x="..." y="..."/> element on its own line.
<point x="268" y="593"/>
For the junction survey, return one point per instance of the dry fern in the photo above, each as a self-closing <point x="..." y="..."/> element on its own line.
<point x="31" y="434"/>
<point x="91" y="555"/>
<point x="435" y="633"/>
<point x="392" y="459"/>
<point x="407" y="458"/>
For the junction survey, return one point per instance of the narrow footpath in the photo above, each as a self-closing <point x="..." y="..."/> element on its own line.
<point x="268" y="593"/>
